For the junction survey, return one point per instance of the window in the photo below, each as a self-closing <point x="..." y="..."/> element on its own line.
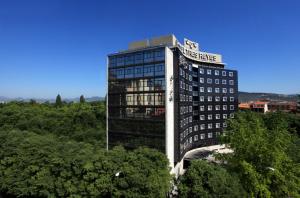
<point x="180" y="71"/>
<point x="217" y="116"/>
<point x="190" y="78"/>
<point x="217" y="134"/>
<point x="209" y="80"/>
<point x="159" y="54"/>
<point x="201" y="89"/>
<point x="190" y="129"/>
<point x="129" y="59"/>
<point x="224" y="90"/>
<point x="159" y="69"/>
<point x="218" y="125"/>
<point x="231" y="99"/>
<point x="201" y="71"/>
<point x="224" y="116"/>
<point x="148" y="70"/>
<point x="202" y="126"/>
<point x="231" y="90"/>
<point x="202" y="117"/>
<point x="209" y="72"/>
<point x="202" y="136"/>
<point x="190" y="109"/>
<point x="196" y="128"/>
<point x="196" y="138"/>
<point x="191" y="140"/>
<point x="224" y="99"/>
<point x="201" y="80"/>
<point x="209" y="89"/>
<point x="191" y="98"/>
<point x="223" y="73"/>
<point x="138" y="58"/>
<point x="209" y="126"/>
<point x="217" y="98"/>
<point x="209" y="98"/>
<point x="209" y="107"/>
<point x="217" y="90"/>
<point x="129" y="72"/>
<point x="231" y="82"/>
<point x="201" y="108"/>
<point x="209" y="117"/>
<point x="217" y="107"/>
<point x="231" y="107"/>
<point x="224" y="82"/>
<point x="231" y="115"/>
<point x="201" y="98"/>
<point x="148" y="56"/>
<point x="224" y="107"/>
<point x="217" y="72"/>
<point x="191" y="119"/>
<point x="231" y="74"/>
<point x="190" y="67"/>
<point x="217" y="81"/>
<point x="190" y="88"/>
<point x="209" y="135"/>
<point x="224" y="124"/>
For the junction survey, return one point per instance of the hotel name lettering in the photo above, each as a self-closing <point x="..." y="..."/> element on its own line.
<point x="199" y="56"/>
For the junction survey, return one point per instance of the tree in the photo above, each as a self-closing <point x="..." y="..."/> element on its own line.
<point x="58" y="101"/>
<point x="204" y="179"/>
<point x="82" y="99"/>
<point x="260" y="155"/>
<point x="298" y="103"/>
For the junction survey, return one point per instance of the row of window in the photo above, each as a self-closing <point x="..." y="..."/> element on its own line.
<point x="186" y="98"/>
<point x="138" y="71"/>
<point x="217" y="90"/>
<point x="189" y="119"/>
<point x="217" y="72"/>
<point x="217" y="107"/>
<point x="196" y="138"/>
<point x="217" y="81"/>
<point x="208" y="71"/>
<point x="137" y="85"/>
<point x="137" y="58"/>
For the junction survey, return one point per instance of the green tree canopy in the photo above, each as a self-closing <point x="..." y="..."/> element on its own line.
<point x="260" y="155"/>
<point x="206" y="180"/>
<point x="82" y="99"/>
<point x="58" y="101"/>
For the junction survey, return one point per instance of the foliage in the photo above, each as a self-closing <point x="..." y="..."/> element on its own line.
<point x="204" y="179"/>
<point x="33" y="165"/>
<point x="82" y="99"/>
<point x="58" y="101"/>
<point x="260" y="157"/>
<point x="81" y="122"/>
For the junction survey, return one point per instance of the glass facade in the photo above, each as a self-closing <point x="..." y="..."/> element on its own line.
<point x="136" y="99"/>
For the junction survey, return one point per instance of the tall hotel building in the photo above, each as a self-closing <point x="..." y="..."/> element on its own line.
<point x="168" y="96"/>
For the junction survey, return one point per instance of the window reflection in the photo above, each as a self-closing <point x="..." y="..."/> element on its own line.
<point x="148" y="70"/>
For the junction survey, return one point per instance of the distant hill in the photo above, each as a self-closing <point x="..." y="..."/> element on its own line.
<point x="248" y="96"/>
<point x="51" y="100"/>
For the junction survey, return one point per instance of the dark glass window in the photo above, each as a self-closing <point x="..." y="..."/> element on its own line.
<point x="138" y="71"/>
<point x="159" y="84"/>
<point x="148" y="84"/>
<point x="159" y="99"/>
<point x="149" y="99"/>
<point x="112" y="61"/>
<point x="129" y="71"/>
<point x="148" y="70"/>
<point x="148" y="56"/>
<point x="120" y="61"/>
<point x="159" y="69"/>
<point x="129" y="59"/>
<point x="159" y="55"/>
<point x="138" y="58"/>
<point x="138" y="85"/>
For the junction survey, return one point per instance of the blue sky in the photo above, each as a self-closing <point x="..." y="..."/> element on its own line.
<point x="51" y="47"/>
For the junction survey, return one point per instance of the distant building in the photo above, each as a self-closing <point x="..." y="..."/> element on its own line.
<point x="264" y="106"/>
<point x="168" y="96"/>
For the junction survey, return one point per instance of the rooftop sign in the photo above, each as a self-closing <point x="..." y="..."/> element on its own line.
<point x="190" y="50"/>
